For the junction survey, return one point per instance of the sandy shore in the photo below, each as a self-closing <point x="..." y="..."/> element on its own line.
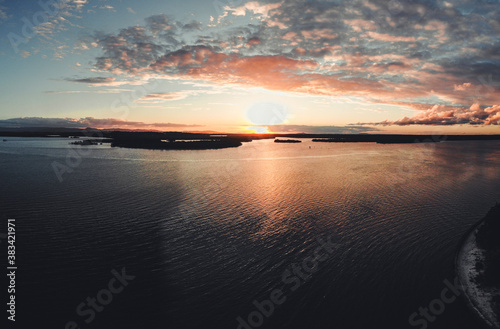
<point x="478" y="297"/>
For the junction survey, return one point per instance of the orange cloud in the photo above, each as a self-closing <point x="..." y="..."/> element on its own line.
<point x="253" y="42"/>
<point x="270" y="72"/>
<point x="446" y="115"/>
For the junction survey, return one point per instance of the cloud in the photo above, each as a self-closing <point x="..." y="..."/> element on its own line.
<point x="109" y="7"/>
<point x="389" y="38"/>
<point x="160" y="23"/>
<point x="253" y="42"/>
<point x="317" y="34"/>
<point x="463" y="87"/>
<point x="275" y="72"/>
<point x="414" y="54"/>
<point x="192" y="26"/>
<point x="444" y="116"/>
<point x="57" y="22"/>
<point x="24" y="54"/>
<point x="370" y="5"/>
<point x="320" y="129"/>
<point x="162" y="97"/>
<point x="86" y="122"/>
<point x="438" y="27"/>
<point x="253" y="7"/>
<point x="3" y="13"/>
<point x="96" y="80"/>
<point x="130" y="10"/>
<point x="100" y="91"/>
<point x="79" y="3"/>
<point x="359" y="25"/>
<point x="108" y="81"/>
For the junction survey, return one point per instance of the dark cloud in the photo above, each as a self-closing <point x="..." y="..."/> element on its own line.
<point x="161" y="24"/>
<point x="254" y="41"/>
<point x="130" y="49"/>
<point x="192" y="26"/>
<point x="85" y="122"/>
<point x="96" y="80"/>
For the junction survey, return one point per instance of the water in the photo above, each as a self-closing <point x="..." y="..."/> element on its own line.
<point x="207" y="233"/>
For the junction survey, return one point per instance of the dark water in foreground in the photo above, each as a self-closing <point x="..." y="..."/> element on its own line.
<point x="207" y="233"/>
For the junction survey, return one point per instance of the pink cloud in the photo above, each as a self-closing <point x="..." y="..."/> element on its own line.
<point x="277" y="23"/>
<point x="431" y="66"/>
<point x="290" y="36"/>
<point x="389" y="38"/>
<point x="300" y="51"/>
<point x="371" y="5"/>
<point x="437" y="26"/>
<point x="254" y="7"/>
<point x="319" y="34"/>
<point x="162" y="97"/>
<point x="463" y="86"/>
<point x="253" y="42"/>
<point x="273" y="73"/>
<point x="359" y="25"/>
<point x="446" y="115"/>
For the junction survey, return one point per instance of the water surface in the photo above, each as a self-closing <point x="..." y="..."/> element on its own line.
<point x="207" y="233"/>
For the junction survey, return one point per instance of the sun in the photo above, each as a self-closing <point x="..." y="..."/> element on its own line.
<point x="267" y="114"/>
<point x="258" y="130"/>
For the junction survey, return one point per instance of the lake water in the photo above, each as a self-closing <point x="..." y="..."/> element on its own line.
<point x="207" y="233"/>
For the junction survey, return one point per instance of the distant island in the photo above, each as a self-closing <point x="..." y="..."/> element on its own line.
<point x="396" y="139"/>
<point x="287" y="141"/>
<point x="478" y="268"/>
<point x="175" y="140"/>
<point x="333" y="140"/>
<point x="155" y="144"/>
<point x="86" y="142"/>
<point x="380" y="139"/>
<point x="202" y="141"/>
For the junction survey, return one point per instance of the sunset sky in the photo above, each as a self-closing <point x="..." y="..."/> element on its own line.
<point x="326" y="66"/>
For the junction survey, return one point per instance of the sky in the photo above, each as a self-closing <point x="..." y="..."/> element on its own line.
<point x="313" y="66"/>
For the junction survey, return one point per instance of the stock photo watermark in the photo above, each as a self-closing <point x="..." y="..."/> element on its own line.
<point x="436" y="307"/>
<point x="128" y="101"/>
<point x="76" y="153"/>
<point x="294" y="277"/>
<point x="11" y="269"/>
<point x="75" y="156"/>
<point x="411" y="160"/>
<point x="103" y="298"/>
<point x="49" y="9"/>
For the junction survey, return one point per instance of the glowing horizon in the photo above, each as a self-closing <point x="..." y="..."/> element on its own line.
<point x="366" y="66"/>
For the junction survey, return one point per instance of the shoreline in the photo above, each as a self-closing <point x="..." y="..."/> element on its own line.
<point x="478" y="297"/>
